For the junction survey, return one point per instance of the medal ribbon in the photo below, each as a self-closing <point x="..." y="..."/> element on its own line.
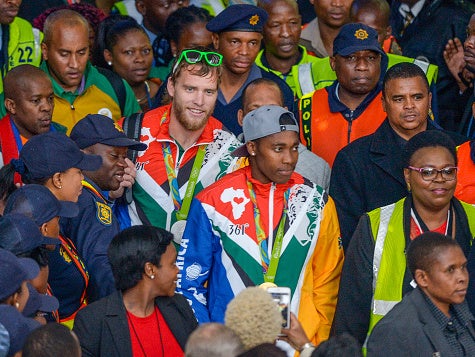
<point x="93" y="189"/>
<point x="181" y="206"/>
<point x="71" y="251"/>
<point x="269" y="266"/>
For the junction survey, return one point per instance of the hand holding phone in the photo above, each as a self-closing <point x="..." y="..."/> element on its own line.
<point x="295" y="335"/>
<point x="281" y="296"/>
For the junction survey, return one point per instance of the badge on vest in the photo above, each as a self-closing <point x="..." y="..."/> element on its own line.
<point x="104" y="214"/>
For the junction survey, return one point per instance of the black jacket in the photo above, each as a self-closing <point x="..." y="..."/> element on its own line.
<point x="410" y="329"/>
<point x="426" y="37"/>
<point x="102" y="327"/>
<point x="368" y="173"/>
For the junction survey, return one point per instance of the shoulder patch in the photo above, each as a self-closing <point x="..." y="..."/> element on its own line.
<point x="104" y="213"/>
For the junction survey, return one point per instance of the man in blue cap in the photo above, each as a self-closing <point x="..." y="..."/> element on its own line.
<point x="350" y="108"/>
<point x="237" y="35"/>
<point x="95" y="225"/>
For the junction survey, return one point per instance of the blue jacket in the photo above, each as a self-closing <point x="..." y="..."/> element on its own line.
<point x="91" y="231"/>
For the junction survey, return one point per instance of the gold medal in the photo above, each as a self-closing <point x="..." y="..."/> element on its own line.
<point x="267" y="285"/>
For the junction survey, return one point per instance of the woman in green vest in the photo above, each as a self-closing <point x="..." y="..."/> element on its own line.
<point x="375" y="276"/>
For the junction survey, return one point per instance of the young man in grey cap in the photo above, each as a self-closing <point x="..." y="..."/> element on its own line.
<point x="264" y="224"/>
<point x="350" y="108"/>
<point x="263" y="91"/>
<point x="95" y="225"/>
<point x="237" y="35"/>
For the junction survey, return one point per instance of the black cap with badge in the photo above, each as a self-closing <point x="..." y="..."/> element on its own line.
<point x="240" y="17"/>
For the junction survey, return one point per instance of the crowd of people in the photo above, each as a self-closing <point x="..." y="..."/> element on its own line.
<point x="164" y="163"/>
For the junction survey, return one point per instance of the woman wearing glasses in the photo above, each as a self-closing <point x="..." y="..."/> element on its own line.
<point x="375" y="276"/>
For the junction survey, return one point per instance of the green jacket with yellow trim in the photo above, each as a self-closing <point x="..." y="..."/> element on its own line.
<point x="98" y="97"/>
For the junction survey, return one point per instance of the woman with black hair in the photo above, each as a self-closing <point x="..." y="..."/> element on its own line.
<point x="54" y="161"/>
<point x="375" y="276"/>
<point x="144" y="317"/>
<point x="128" y="52"/>
<point x="185" y="29"/>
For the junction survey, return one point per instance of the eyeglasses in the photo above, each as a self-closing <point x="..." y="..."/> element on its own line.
<point x="214" y="59"/>
<point x="430" y="174"/>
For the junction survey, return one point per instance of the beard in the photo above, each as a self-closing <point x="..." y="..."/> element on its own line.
<point x="190" y="124"/>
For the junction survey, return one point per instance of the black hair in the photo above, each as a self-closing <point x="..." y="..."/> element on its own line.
<point x="119" y="29"/>
<point x="257" y="82"/>
<point x="52" y="339"/>
<point x="428" y="138"/>
<point x="101" y="34"/>
<point x="7" y="184"/>
<point x="339" y="345"/>
<point x="40" y="255"/>
<point x="178" y="21"/>
<point x="404" y="70"/>
<point x="131" y="249"/>
<point x="18" y="166"/>
<point x="423" y="250"/>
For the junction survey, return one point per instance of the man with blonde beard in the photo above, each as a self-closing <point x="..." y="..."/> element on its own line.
<point x="187" y="148"/>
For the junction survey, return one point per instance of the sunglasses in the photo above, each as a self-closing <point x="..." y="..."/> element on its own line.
<point x="214" y="59"/>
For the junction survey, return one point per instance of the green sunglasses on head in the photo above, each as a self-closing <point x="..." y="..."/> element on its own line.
<point x="194" y="56"/>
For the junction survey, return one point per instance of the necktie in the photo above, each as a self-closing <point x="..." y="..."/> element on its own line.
<point x="407" y="20"/>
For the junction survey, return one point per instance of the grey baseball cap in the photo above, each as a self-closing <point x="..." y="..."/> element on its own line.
<point x="265" y="121"/>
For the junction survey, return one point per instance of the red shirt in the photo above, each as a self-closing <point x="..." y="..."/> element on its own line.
<point x="151" y="337"/>
<point x="416" y="232"/>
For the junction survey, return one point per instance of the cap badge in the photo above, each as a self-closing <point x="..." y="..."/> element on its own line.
<point x="117" y="126"/>
<point x="361" y="34"/>
<point x="254" y="20"/>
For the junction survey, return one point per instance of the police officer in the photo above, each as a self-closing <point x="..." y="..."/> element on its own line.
<point x="96" y="225"/>
<point x="237" y="35"/>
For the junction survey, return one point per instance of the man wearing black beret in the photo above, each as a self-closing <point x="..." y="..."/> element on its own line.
<point x="237" y="35"/>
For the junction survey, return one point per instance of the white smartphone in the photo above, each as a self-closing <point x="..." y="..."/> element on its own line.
<point x="281" y="296"/>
